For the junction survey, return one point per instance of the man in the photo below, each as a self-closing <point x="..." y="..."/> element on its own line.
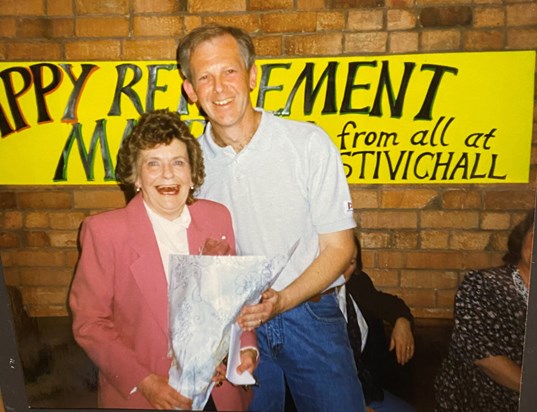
<point x="283" y="181"/>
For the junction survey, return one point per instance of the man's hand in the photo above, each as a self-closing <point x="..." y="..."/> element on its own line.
<point x="161" y="395"/>
<point x="402" y="340"/>
<point x="253" y="316"/>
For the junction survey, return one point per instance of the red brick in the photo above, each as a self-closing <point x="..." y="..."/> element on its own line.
<point x="313" y="44"/>
<point x="8" y="200"/>
<point x="8" y="27"/>
<point x="102" y="27"/>
<point x="22" y="8"/>
<point x="34" y="50"/>
<point x="10" y="219"/>
<point x="374" y="240"/>
<point x="9" y="240"/>
<point x="62" y="239"/>
<point x="508" y="200"/>
<point x="407" y="198"/>
<point x="310" y="5"/>
<point x="369" y="42"/>
<point x="433" y="260"/>
<point x="157" y="26"/>
<point x="54" y="295"/>
<point x="268" y="46"/>
<point x="66" y="220"/>
<point x="389" y="259"/>
<point x="495" y="221"/>
<point x="479" y="260"/>
<point x="401" y="20"/>
<point x="477" y="40"/>
<point x="204" y="6"/>
<point x="39" y="258"/>
<point x="524" y="14"/>
<point x="439" y="2"/>
<point x="191" y="22"/>
<point x="59" y="7"/>
<point x="260" y="5"/>
<point x="469" y="240"/>
<point x="449" y="219"/>
<point x="489" y="17"/>
<point x="405" y="240"/>
<point x="399" y="4"/>
<point x="365" y="20"/>
<point x="93" y="50"/>
<point x="403" y="42"/>
<point x="157" y="6"/>
<point x="440" y="40"/>
<point x="437" y="313"/>
<point x="428" y="279"/>
<point x="50" y="310"/>
<point x="388" y="219"/>
<point x="33" y="28"/>
<point x="61" y="28"/>
<point x="36" y="239"/>
<point x="337" y="4"/>
<point x="248" y="22"/>
<point x="102" y="7"/>
<point x="383" y="278"/>
<point x="522" y="38"/>
<point x="45" y="276"/>
<point x="446" y="16"/>
<point x="330" y="20"/>
<point x="149" y="49"/>
<point x="434" y="239"/>
<point x="461" y="199"/>
<point x="364" y="198"/>
<point x="445" y="298"/>
<point x="35" y="220"/>
<point x="289" y="22"/>
<point x="498" y="241"/>
<point x="11" y="277"/>
<point x="45" y="200"/>
<point x="105" y="199"/>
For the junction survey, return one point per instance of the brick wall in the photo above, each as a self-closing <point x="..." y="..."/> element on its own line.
<point x="418" y="240"/>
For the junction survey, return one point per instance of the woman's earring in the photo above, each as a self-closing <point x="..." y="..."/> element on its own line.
<point x="191" y="187"/>
<point x="137" y="188"/>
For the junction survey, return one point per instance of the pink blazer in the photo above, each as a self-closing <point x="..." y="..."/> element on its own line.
<point x="119" y="300"/>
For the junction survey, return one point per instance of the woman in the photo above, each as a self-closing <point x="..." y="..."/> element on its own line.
<point x="119" y="293"/>
<point x="482" y="371"/>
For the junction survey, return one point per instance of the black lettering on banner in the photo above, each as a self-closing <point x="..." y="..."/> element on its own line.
<point x="70" y="112"/>
<point x="12" y="96"/>
<point x="41" y="90"/>
<point x="152" y="81"/>
<point x="87" y="157"/>
<point x="122" y="88"/>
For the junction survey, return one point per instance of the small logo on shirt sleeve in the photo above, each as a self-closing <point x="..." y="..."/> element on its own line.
<point x="348" y="207"/>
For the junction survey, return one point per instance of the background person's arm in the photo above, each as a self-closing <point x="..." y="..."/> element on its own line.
<point x="501" y="370"/>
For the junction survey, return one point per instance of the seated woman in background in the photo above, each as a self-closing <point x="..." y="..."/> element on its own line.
<point x="373" y="362"/>
<point x="482" y="371"/>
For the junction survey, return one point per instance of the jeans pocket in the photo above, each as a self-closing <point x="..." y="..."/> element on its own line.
<point x="326" y="309"/>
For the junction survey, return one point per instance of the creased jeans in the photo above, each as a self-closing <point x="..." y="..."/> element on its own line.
<point x="309" y="348"/>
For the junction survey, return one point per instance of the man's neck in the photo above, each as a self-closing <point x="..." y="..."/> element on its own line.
<point x="239" y="136"/>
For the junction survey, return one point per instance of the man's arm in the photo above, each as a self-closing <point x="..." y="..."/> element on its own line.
<point x="336" y="252"/>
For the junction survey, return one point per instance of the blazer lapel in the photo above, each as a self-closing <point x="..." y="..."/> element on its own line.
<point x="147" y="269"/>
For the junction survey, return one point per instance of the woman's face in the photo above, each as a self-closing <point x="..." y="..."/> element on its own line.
<point x="165" y="178"/>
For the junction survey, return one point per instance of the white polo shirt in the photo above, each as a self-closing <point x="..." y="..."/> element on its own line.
<point x="287" y="184"/>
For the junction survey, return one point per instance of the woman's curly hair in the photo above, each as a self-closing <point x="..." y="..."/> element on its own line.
<point x="153" y="129"/>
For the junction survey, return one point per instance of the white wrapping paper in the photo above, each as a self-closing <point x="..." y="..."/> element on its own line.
<point x="206" y="294"/>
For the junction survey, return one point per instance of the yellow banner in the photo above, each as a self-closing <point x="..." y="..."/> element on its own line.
<point x="429" y="118"/>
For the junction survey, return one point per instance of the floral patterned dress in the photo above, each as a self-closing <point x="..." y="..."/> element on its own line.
<point x="490" y="319"/>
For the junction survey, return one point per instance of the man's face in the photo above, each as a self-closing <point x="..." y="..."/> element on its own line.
<point x="221" y="83"/>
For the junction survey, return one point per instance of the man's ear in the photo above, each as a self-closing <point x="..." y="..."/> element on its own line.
<point x="253" y="77"/>
<point x="189" y="90"/>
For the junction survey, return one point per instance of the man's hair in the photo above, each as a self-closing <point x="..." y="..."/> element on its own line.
<point x="192" y="40"/>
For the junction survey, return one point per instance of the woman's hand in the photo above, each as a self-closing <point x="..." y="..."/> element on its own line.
<point x="220" y="374"/>
<point x="402" y="340"/>
<point x="161" y="395"/>
<point x="249" y="358"/>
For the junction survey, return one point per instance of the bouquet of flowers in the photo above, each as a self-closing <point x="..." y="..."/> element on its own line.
<point x="206" y="294"/>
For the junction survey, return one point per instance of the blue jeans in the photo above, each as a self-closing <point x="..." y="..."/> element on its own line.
<point x="391" y="403"/>
<point x="309" y="348"/>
